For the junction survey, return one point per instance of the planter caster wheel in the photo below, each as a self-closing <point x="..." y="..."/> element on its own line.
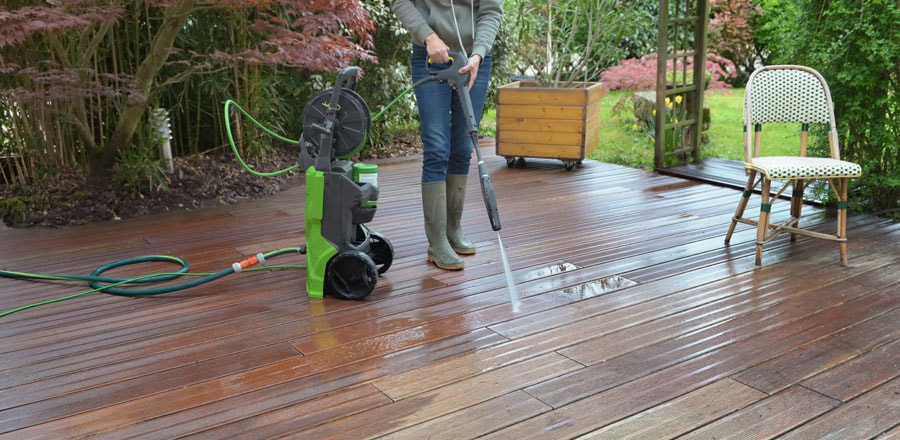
<point x="510" y="161"/>
<point x="381" y="251"/>
<point x="570" y="164"/>
<point x="351" y="275"/>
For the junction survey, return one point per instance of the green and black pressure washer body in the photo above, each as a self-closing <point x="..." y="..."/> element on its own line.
<point x="344" y="258"/>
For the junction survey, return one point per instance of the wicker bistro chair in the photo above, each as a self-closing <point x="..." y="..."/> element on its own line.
<point x="779" y="94"/>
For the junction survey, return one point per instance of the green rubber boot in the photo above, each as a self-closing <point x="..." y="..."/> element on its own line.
<point x="434" y="205"/>
<point x="456" y="198"/>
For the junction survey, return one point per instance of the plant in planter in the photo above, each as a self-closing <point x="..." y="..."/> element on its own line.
<point x="562" y="46"/>
<point x="565" y="43"/>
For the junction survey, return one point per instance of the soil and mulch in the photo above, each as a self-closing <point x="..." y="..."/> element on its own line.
<point x="65" y="199"/>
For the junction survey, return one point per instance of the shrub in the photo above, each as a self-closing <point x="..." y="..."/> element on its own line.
<point x="731" y="36"/>
<point x="12" y="210"/>
<point x="640" y="73"/>
<point x="855" y="46"/>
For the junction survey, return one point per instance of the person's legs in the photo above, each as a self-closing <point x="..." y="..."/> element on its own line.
<point x="456" y="199"/>
<point x="433" y="100"/>
<point x="434" y="206"/>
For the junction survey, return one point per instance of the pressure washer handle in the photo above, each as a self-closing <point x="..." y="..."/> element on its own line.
<point x="487" y="193"/>
<point x="487" y="188"/>
<point x="451" y="75"/>
<point x="465" y="101"/>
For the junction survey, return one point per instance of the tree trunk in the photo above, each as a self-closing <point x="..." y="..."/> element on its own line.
<point x="175" y="18"/>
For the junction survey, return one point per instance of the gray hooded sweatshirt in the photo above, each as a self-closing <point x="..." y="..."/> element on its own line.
<point x="422" y="17"/>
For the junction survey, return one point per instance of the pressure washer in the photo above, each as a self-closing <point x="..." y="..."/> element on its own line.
<point x="344" y="257"/>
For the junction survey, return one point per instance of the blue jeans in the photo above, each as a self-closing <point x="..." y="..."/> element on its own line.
<point x="445" y="137"/>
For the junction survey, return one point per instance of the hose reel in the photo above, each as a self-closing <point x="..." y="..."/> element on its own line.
<point x="352" y="122"/>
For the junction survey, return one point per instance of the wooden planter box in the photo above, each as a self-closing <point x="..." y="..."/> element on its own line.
<point x="550" y="123"/>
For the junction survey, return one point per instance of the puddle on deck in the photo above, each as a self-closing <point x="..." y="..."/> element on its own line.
<point x="589" y="289"/>
<point x="553" y="269"/>
<point x="598" y="287"/>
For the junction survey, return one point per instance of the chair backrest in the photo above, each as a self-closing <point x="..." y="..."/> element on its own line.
<point x="787" y="93"/>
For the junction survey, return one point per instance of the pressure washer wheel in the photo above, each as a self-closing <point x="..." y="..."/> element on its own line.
<point x="350" y="128"/>
<point x="351" y="274"/>
<point x="381" y="251"/>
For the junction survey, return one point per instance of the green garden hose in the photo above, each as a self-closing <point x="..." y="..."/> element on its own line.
<point x="118" y="286"/>
<point x="229" y="103"/>
<point x="234" y="148"/>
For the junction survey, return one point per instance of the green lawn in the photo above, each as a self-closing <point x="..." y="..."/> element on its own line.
<point x="622" y="144"/>
<point x="726" y="132"/>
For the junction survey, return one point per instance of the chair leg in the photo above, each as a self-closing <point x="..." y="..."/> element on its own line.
<point x="765" y="208"/>
<point x="842" y="218"/>
<point x="796" y="205"/>
<point x="742" y="204"/>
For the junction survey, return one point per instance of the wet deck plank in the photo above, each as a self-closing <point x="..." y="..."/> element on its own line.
<point x="635" y="320"/>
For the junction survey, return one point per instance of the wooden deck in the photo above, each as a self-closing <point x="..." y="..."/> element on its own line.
<point x="724" y="172"/>
<point x="635" y="322"/>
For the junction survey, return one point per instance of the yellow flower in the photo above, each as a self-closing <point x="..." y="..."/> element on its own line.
<point x="654" y="112"/>
<point x="678" y="99"/>
<point x="634" y="126"/>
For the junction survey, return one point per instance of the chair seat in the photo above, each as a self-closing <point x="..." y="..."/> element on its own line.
<point x="793" y="167"/>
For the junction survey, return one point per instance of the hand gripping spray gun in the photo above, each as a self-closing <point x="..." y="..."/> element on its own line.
<point x="460" y="82"/>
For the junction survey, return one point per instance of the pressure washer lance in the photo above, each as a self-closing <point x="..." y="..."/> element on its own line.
<point x="460" y="82"/>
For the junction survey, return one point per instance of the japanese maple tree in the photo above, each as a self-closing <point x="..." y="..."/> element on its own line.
<point x="79" y="75"/>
